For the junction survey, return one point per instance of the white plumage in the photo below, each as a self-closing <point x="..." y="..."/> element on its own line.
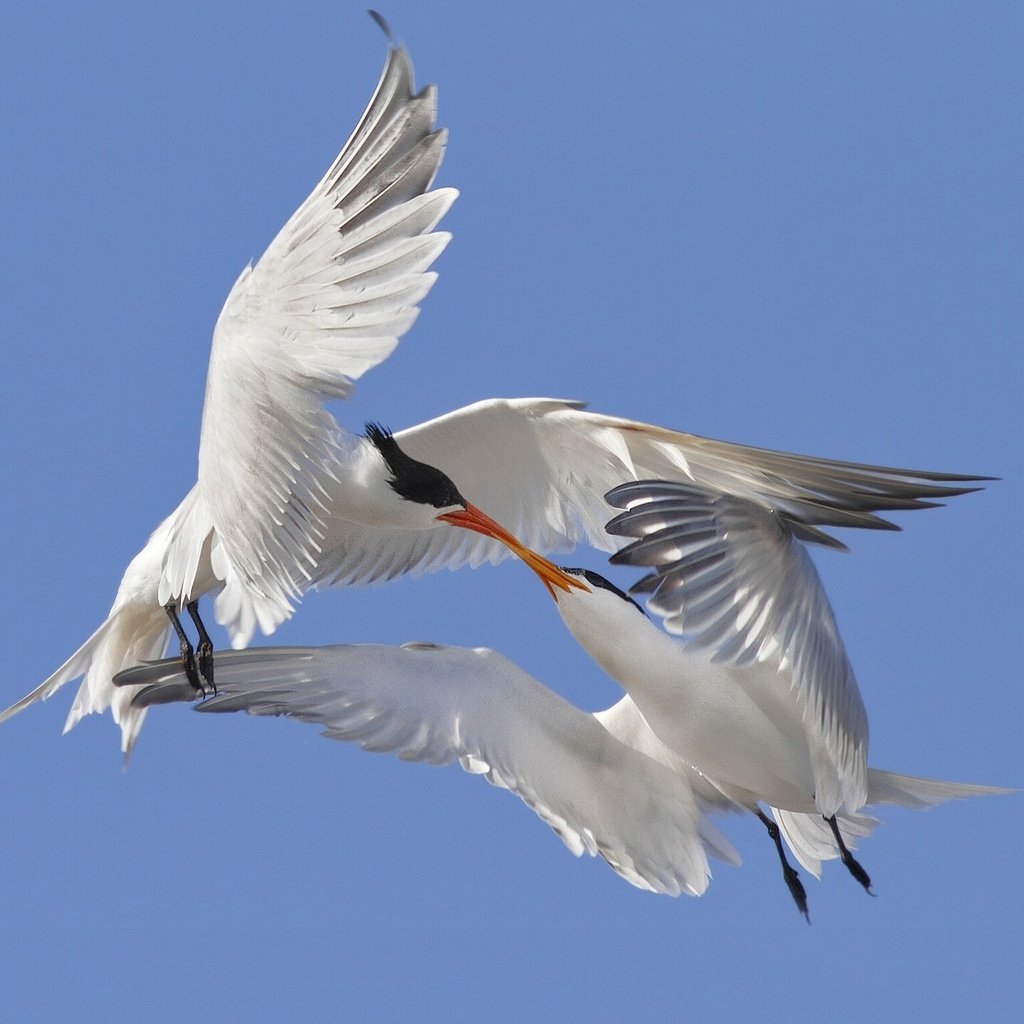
<point x="436" y="704"/>
<point x="328" y="300"/>
<point x="604" y="782"/>
<point x="285" y="499"/>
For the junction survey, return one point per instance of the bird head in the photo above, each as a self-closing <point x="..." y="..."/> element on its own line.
<point x="411" y="479"/>
<point x="427" y="485"/>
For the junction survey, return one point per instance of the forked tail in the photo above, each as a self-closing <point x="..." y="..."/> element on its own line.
<point x="811" y="839"/>
<point x="131" y="633"/>
<point x="918" y="793"/>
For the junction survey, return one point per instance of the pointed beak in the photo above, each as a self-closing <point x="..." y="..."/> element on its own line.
<point x="471" y="518"/>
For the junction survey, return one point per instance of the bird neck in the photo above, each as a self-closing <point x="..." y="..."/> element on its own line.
<point x="622" y="640"/>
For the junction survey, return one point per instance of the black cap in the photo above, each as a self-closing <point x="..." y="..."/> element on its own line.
<point x="412" y="480"/>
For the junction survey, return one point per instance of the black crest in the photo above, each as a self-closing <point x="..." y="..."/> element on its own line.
<point x="596" y="580"/>
<point x="412" y="480"/>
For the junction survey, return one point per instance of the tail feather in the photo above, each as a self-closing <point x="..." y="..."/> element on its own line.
<point x="918" y="793"/>
<point x="77" y="665"/>
<point x="812" y="842"/>
<point x="132" y="633"/>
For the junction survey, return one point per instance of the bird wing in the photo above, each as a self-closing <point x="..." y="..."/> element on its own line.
<point x="424" y="702"/>
<point x="626" y="723"/>
<point x="731" y="576"/>
<point x="328" y="300"/>
<point x="542" y="466"/>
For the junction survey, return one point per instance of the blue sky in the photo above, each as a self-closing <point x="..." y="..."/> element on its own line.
<point x="793" y="225"/>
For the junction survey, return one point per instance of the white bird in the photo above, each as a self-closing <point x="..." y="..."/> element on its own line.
<point x="329" y="299"/>
<point x="287" y="500"/>
<point x="756" y="694"/>
<point x="424" y="702"/>
<point x="603" y="782"/>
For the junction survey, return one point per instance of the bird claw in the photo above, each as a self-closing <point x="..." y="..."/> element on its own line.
<point x="197" y="663"/>
<point x="199" y="670"/>
<point x="853" y="866"/>
<point x="797" y="891"/>
<point x="204" y="659"/>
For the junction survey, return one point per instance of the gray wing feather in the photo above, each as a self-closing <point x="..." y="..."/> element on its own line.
<point x="328" y="300"/>
<point x="542" y="466"/>
<point x="435" y="704"/>
<point x="732" y="577"/>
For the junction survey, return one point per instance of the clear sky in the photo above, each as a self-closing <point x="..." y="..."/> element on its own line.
<point x="794" y="225"/>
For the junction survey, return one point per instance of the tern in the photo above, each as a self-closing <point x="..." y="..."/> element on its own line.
<point x="286" y="500"/>
<point x="329" y="299"/>
<point x="604" y="782"/>
<point x="755" y="693"/>
<point x="435" y="704"/>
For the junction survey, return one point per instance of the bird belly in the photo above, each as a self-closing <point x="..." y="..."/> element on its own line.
<point x="730" y="724"/>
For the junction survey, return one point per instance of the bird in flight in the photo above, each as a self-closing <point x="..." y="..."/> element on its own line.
<point x="605" y="782"/>
<point x="287" y="500"/>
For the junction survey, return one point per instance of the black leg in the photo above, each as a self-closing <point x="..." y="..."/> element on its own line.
<point x="188" y="656"/>
<point x="789" y="873"/>
<point x="204" y="652"/>
<point x="848" y="858"/>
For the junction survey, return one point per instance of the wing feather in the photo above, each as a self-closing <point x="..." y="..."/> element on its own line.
<point x="731" y="577"/>
<point x="542" y="466"/>
<point x="437" y="704"/>
<point x="328" y="300"/>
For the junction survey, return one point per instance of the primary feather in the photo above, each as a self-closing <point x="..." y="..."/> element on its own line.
<point x="604" y="782"/>
<point x="328" y="300"/>
<point x="435" y="704"/>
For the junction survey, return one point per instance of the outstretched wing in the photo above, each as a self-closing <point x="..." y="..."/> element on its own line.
<point x="329" y="299"/>
<point x="542" y="466"/>
<point x="732" y="577"/>
<point x="423" y="702"/>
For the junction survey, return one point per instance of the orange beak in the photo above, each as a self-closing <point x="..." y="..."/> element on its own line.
<point x="471" y="518"/>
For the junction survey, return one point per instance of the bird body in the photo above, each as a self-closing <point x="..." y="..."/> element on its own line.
<point x="604" y="782"/>
<point x="742" y="727"/>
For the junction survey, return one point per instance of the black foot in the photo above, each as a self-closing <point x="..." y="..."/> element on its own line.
<point x="192" y="669"/>
<point x="188" y="663"/>
<point x="204" y="651"/>
<point x="204" y="658"/>
<point x="789" y="873"/>
<point x="851" y="862"/>
<point x="796" y="890"/>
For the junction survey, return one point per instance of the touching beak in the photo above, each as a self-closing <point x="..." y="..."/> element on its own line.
<point x="471" y="518"/>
